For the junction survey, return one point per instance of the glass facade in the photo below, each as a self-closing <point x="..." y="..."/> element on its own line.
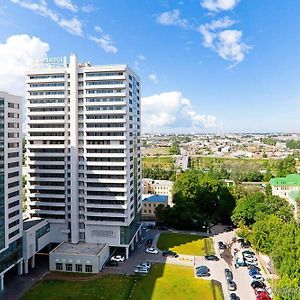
<point x="2" y="209"/>
<point x="11" y="255"/>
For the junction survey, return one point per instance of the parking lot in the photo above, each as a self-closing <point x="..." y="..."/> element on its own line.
<point x="240" y="275"/>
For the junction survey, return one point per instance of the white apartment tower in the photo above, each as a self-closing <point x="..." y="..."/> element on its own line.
<point x="83" y="151"/>
<point x="10" y="184"/>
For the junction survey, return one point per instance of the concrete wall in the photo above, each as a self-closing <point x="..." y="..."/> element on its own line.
<point x="58" y="232"/>
<point x="96" y="234"/>
<point x="96" y="261"/>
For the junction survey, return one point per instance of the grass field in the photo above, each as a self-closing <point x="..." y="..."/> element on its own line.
<point x="199" y="162"/>
<point x="116" y="287"/>
<point x="165" y="162"/>
<point x="171" y="282"/>
<point x="186" y="244"/>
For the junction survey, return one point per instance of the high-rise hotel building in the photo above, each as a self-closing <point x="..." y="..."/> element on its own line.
<point x="10" y="184"/>
<point x="83" y="151"/>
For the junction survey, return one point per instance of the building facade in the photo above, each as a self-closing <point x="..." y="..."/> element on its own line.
<point x="84" y="152"/>
<point x="10" y="184"/>
<point x="288" y="188"/>
<point x="150" y="202"/>
<point x="158" y="187"/>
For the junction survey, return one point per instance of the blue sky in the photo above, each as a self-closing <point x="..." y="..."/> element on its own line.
<point x="205" y="65"/>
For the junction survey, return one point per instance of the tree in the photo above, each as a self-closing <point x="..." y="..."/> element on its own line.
<point x="285" y="166"/>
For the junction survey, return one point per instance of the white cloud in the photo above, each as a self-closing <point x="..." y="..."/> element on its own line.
<point x="228" y="43"/>
<point x="73" y="26"/>
<point x="172" y="110"/>
<point x="87" y="8"/>
<point x="98" y="29"/>
<point x="105" y="42"/>
<point x="171" y="18"/>
<point x="141" y="57"/>
<point x="17" y="55"/>
<point x="153" y="78"/>
<point x="66" y="4"/>
<point x="219" y="5"/>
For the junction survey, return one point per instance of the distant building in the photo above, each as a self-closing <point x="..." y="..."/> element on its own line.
<point x="150" y="202"/>
<point x="289" y="188"/>
<point x="158" y="187"/>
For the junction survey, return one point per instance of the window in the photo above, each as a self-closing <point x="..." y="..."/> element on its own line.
<point x="89" y="268"/>
<point x="59" y="266"/>
<point x="78" y="268"/>
<point x="69" y="267"/>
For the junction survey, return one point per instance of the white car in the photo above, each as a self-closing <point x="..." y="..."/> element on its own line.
<point x="118" y="258"/>
<point x="145" y="265"/>
<point x="141" y="270"/>
<point x="249" y="256"/>
<point x="252" y="263"/>
<point x="250" y="259"/>
<point x="151" y="251"/>
<point x="257" y="277"/>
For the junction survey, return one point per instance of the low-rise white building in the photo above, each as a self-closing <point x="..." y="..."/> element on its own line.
<point x="80" y="257"/>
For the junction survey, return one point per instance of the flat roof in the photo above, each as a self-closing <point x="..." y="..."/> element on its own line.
<point x="155" y="198"/>
<point x="28" y="223"/>
<point x="79" y="248"/>
<point x="289" y="180"/>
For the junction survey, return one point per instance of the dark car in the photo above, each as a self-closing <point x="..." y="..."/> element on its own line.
<point x="257" y="284"/>
<point x="249" y="252"/>
<point x="253" y="268"/>
<point x="202" y="268"/>
<point x="149" y="242"/>
<point x="246" y="244"/>
<point x="228" y="274"/>
<point x="150" y="226"/>
<point x="228" y="228"/>
<point x="167" y="253"/>
<point x="234" y="296"/>
<point x="202" y="273"/>
<point x="231" y="285"/>
<point x="112" y="263"/>
<point x="212" y="257"/>
<point x="222" y="246"/>
<point x="240" y="240"/>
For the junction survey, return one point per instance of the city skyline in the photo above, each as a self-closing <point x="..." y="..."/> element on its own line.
<point x="206" y="66"/>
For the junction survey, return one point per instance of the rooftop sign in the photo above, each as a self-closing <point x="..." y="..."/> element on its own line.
<point x="50" y="62"/>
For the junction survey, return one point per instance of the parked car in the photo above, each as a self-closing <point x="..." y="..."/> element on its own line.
<point x="151" y="250"/>
<point x="257" y="284"/>
<point x="112" y="263"/>
<point x="240" y="262"/>
<point x="212" y="257"/>
<point x="248" y="255"/>
<point x="264" y="296"/>
<point x="252" y="263"/>
<point x="259" y="291"/>
<point x="228" y="274"/>
<point x="257" y="277"/>
<point x="146" y="265"/>
<point x="170" y="253"/>
<point x="253" y="267"/>
<point x="234" y="296"/>
<point x="221" y="245"/>
<point x="231" y="285"/>
<point x="118" y="258"/>
<point x="246" y="244"/>
<point x="141" y="270"/>
<point x="253" y="272"/>
<point x="149" y="242"/>
<point x="202" y="268"/>
<point x="240" y="240"/>
<point x="228" y="229"/>
<point x="250" y="259"/>
<point x="248" y="252"/>
<point x="150" y="226"/>
<point x="202" y="273"/>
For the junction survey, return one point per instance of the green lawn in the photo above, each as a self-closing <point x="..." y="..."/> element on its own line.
<point x="186" y="244"/>
<point x="164" y="282"/>
<point x="110" y="287"/>
<point x="172" y="282"/>
<point x="161" y="162"/>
